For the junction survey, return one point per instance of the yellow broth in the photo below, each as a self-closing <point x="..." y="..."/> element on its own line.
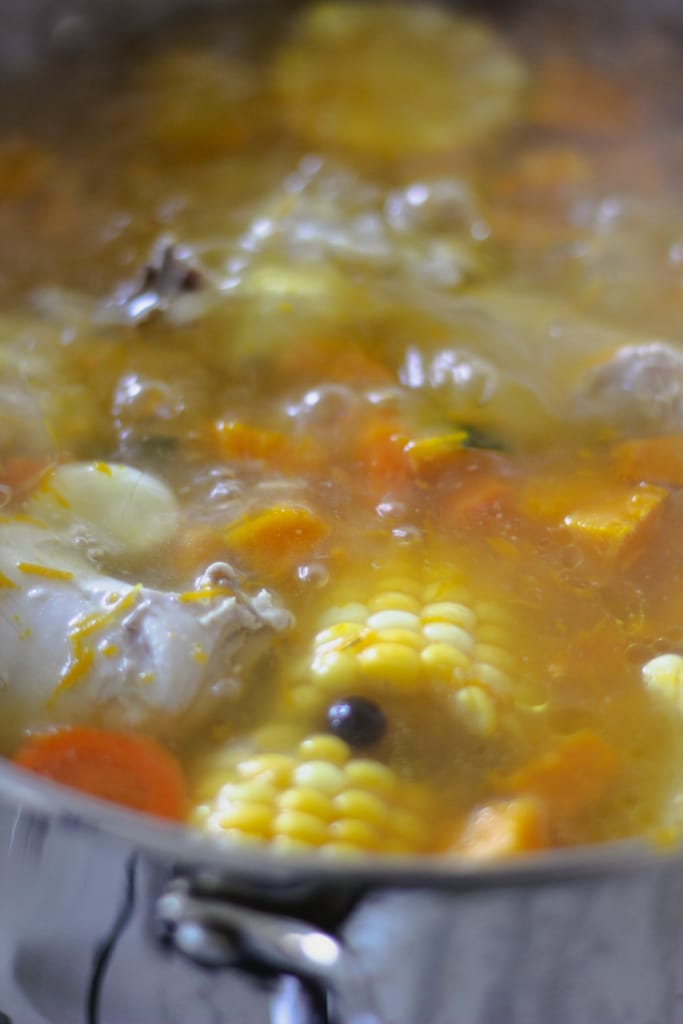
<point x="407" y="355"/>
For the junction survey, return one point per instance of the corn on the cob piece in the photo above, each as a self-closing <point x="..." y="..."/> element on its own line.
<point x="386" y="82"/>
<point x="411" y="636"/>
<point x="320" y="797"/>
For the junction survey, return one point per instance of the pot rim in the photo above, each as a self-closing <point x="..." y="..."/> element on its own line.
<point x="181" y="844"/>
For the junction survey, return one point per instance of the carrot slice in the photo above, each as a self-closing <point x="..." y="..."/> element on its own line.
<point x="278" y="538"/>
<point x="133" y="771"/>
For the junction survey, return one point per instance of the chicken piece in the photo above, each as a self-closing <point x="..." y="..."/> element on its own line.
<point x="639" y="388"/>
<point x="80" y="645"/>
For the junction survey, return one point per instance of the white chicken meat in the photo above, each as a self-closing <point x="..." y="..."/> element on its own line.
<point x="80" y="645"/>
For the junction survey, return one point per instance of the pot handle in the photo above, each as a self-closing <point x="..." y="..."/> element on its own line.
<point x="320" y="979"/>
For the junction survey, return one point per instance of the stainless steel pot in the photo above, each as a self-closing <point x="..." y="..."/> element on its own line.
<point x="108" y="918"/>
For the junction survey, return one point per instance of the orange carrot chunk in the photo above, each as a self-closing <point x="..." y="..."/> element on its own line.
<point x="569" y="777"/>
<point x="236" y="440"/>
<point x="133" y="771"/>
<point x="277" y="538"/>
<point x="381" y="449"/>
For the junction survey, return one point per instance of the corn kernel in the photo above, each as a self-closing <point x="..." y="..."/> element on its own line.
<point x="356" y="803"/>
<point x="392" y="600"/>
<point x="448" y="633"/>
<point x="273" y="767"/>
<point x="355" y="833"/>
<point x="477" y="709"/>
<point x="308" y="801"/>
<point x="444" y="661"/>
<point x="334" y="670"/>
<point x="406" y="637"/>
<point x="301" y="826"/>
<point x="253" y="818"/>
<point x="338" y="636"/>
<point x="370" y="776"/>
<point x="325" y="748"/>
<point x="492" y="677"/>
<point x="393" y="619"/>
<point x="450" y="611"/>
<point x="252" y="792"/>
<point x="327" y="778"/>
<point x="392" y="663"/>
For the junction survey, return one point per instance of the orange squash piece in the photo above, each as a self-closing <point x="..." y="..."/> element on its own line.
<point x="570" y="776"/>
<point x="616" y="524"/>
<point x="503" y="829"/>
<point x="610" y="518"/>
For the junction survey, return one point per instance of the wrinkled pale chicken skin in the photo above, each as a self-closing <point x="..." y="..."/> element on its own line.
<point x="79" y="645"/>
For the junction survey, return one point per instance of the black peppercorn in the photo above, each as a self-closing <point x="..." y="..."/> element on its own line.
<point x="356" y="720"/>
